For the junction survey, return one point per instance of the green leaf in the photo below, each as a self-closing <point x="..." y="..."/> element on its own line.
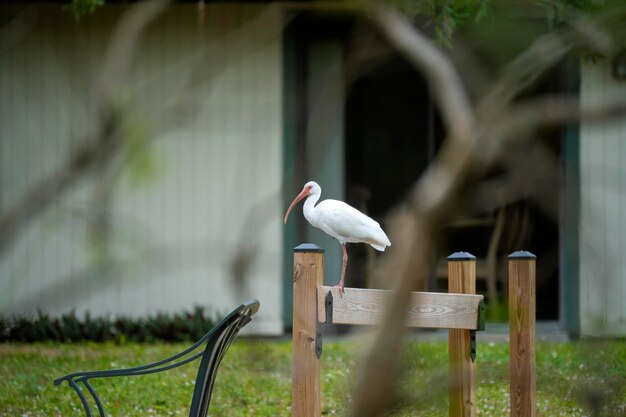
<point x="141" y="165"/>
<point x="80" y="8"/>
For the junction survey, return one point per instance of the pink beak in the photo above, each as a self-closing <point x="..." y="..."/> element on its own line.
<point x="303" y="193"/>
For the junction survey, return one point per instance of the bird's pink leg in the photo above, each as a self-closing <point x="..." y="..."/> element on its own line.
<point x="343" y="268"/>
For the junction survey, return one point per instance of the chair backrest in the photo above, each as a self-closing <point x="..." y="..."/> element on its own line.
<point x="222" y="335"/>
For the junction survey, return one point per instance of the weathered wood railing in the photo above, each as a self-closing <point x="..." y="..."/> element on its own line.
<point x="460" y="310"/>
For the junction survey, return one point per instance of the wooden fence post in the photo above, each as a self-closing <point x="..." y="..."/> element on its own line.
<point x="462" y="373"/>
<point x="522" y="270"/>
<point x="308" y="273"/>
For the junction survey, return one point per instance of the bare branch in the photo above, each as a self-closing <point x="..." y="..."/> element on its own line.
<point x="406" y="264"/>
<point x="523" y="118"/>
<point x="559" y="109"/>
<point x="38" y="197"/>
<point x="124" y="41"/>
<point x="100" y="145"/>
<point x="95" y="149"/>
<point x="437" y="193"/>
<point x="447" y="87"/>
<point x="544" y="53"/>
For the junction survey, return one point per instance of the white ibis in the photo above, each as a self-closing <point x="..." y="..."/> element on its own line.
<point x="341" y="221"/>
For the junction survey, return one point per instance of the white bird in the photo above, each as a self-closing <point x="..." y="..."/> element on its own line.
<point x="341" y="221"/>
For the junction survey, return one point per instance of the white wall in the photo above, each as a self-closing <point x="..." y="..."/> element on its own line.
<point x="207" y="96"/>
<point x="603" y="210"/>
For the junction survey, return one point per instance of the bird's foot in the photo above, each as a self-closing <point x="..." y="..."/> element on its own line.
<point x="341" y="290"/>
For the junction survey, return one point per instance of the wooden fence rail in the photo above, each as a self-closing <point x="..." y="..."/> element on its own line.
<point x="426" y="309"/>
<point x="460" y="310"/>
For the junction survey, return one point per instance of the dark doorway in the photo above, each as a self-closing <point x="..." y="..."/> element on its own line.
<point x="392" y="132"/>
<point x="389" y="138"/>
<point x="388" y="117"/>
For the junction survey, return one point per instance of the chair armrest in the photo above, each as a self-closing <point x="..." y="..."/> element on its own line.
<point x="137" y="370"/>
<point x="83" y="377"/>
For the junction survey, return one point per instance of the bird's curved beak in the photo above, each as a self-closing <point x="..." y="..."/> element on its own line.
<point x="304" y="193"/>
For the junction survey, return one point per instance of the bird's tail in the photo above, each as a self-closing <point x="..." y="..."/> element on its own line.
<point x="378" y="247"/>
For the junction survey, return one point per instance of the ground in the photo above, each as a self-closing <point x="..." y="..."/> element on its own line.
<point x="254" y="379"/>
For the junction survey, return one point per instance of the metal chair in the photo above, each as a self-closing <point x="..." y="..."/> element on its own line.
<point x="217" y="341"/>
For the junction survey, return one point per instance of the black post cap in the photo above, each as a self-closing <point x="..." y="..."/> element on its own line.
<point x="522" y="254"/>
<point x="461" y="256"/>
<point x="308" y="247"/>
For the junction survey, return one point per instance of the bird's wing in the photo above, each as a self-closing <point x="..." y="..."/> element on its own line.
<point x="350" y="224"/>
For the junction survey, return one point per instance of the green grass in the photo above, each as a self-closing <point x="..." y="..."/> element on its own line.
<point x="254" y="379"/>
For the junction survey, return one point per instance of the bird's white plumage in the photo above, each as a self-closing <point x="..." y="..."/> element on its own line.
<point x="347" y="224"/>
<point x="342" y="221"/>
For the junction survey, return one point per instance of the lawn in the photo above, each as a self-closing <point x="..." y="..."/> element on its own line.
<point x="254" y="379"/>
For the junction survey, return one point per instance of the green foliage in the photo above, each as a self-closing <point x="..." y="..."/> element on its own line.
<point x="255" y="379"/>
<point x="80" y="8"/>
<point x="502" y="22"/>
<point x="497" y="311"/>
<point x="609" y="16"/>
<point x="447" y="16"/>
<point x="188" y="326"/>
<point x="561" y="11"/>
<point x="140" y="162"/>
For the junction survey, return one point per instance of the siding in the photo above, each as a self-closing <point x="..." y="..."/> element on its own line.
<point x="203" y="103"/>
<point x="602" y="211"/>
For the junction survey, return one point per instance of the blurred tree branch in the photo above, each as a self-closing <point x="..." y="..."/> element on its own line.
<point x="443" y="79"/>
<point x="103" y="145"/>
<point x="471" y="148"/>
<point x="39" y="196"/>
<point x="106" y="149"/>
<point x="545" y="52"/>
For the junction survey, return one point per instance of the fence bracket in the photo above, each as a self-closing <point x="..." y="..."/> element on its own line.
<point x="329" y="307"/>
<point x="481" y="316"/>
<point x="328" y="303"/>
<point x="480" y="326"/>
<point x="473" y="345"/>
<point x="318" y="343"/>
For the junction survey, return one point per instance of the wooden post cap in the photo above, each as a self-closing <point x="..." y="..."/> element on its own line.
<point x="308" y="247"/>
<point x="461" y="256"/>
<point x="522" y="254"/>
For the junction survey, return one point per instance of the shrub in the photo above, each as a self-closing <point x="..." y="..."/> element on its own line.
<point x="179" y="327"/>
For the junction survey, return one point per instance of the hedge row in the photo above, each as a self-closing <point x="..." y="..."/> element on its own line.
<point x="186" y="326"/>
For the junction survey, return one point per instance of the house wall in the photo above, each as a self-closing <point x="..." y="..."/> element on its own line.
<point x="190" y="208"/>
<point x="602" y="230"/>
